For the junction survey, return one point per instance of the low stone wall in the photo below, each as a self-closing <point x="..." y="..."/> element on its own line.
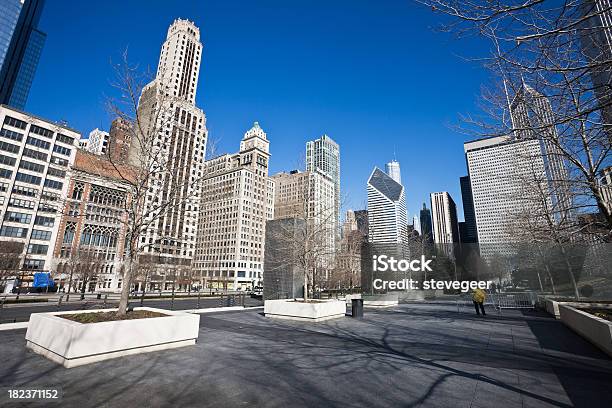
<point x="596" y="330"/>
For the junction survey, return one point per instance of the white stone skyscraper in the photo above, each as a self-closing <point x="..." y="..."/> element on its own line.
<point x="323" y="156"/>
<point x="393" y="170"/>
<point x="237" y="200"/>
<point x="387" y="214"/>
<point x="174" y="129"/>
<point x="444" y="218"/>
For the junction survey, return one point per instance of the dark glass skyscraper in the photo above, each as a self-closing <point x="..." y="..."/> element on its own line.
<point x="469" y="235"/>
<point x="426" y="229"/>
<point x="20" y="48"/>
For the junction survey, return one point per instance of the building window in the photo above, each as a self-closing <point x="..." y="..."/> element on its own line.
<point x="13" y="232"/>
<point x="44" y="221"/>
<point x="38" y="249"/>
<point x="65" y="139"/>
<point x="54" y="184"/>
<point x="17" y="217"/>
<point x="7" y="174"/>
<point x="62" y="150"/>
<point x="38" y="168"/>
<point x="41" y="131"/>
<point x="9" y="134"/>
<point x="15" y="122"/>
<point x="28" y="178"/>
<point x="38" y="143"/>
<point x="41" y="235"/>
<point x="33" y="264"/>
<point x="69" y="233"/>
<point x="9" y="147"/>
<point x="35" y="155"/>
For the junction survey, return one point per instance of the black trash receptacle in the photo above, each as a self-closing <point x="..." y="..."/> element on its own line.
<point x="357" y="307"/>
<point x="99" y="296"/>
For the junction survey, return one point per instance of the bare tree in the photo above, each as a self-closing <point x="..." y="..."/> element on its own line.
<point x="10" y="260"/>
<point x="562" y="51"/>
<point x="312" y="246"/>
<point x="150" y="111"/>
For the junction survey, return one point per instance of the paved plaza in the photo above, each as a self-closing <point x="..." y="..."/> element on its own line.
<point x="414" y="355"/>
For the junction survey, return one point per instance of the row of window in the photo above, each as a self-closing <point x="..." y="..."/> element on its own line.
<point x="22" y="218"/>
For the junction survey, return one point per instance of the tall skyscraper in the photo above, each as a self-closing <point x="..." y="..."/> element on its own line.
<point x="167" y="112"/>
<point x="393" y="170"/>
<point x="444" y="218"/>
<point x="21" y="44"/>
<point x="237" y="200"/>
<point x="323" y="156"/>
<point x="498" y="168"/>
<point x="596" y="38"/>
<point x="387" y="214"/>
<point x="309" y="196"/>
<point x="425" y="221"/>
<point x="416" y="223"/>
<point x="470" y="234"/>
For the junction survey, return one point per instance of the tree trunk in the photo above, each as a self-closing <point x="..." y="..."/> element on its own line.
<point x="125" y="290"/>
<point x="570" y="270"/>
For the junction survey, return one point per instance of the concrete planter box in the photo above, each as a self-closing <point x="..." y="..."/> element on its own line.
<point x="597" y="331"/>
<point x="383" y="300"/>
<point x="72" y="344"/>
<point x="552" y="306"/>
<point x="296" y="310"/>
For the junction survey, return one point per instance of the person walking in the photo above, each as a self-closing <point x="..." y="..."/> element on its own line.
<point x="478" y="297"/>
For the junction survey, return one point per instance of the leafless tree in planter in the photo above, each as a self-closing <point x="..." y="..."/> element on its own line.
<point x="82" y="266"/>
<point x="150" y="113"/>
<point x="562" y="51"/>
<point x="311" y="246"/>
<point x="10" y="260"/>
<point x="347" y="270"/>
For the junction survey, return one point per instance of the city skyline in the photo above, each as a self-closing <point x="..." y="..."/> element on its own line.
<point x="257" y="95"/>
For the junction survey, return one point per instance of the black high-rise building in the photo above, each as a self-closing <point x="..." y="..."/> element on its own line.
<point x="21" y="44"/>
<point x="469" y="235"/>
<point x="426" y="228"/>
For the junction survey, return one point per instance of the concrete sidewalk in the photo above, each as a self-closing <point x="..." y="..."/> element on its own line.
<point x="415" y="355"/>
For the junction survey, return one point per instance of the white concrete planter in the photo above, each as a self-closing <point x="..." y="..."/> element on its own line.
<point x="383" y="300"/>
<point x="72" y="344"/>
<point x="552" y="306"/>
<point x="596" y="330"/>
<point x="311" y="311"/>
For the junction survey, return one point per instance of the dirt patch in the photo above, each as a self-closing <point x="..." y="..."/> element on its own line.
<point x="110" y="316"/>
<point x="605" y="314"/>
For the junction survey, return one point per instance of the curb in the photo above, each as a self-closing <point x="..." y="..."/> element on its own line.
<point x="14" y="326"/>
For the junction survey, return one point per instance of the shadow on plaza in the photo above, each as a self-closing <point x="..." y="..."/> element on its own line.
<point x="331" y="346"/>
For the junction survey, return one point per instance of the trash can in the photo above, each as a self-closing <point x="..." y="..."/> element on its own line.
<point x="357" y="307"/>
<point x="99" y="296"/>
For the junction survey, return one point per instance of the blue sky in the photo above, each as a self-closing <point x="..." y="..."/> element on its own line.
<point x="373" y="75"/>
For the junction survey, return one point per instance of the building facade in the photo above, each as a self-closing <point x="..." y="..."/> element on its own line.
<point x="425" y="221"/>
<point x="35" y="155"/>
<point x="444" y="219"/>
<point x="237" y="200"/>
<point x="393" y="170"/>
<point x="469" y="235"/>
<point x="387" y="214"/>
<point x="323" y="156"/>
<point x="98" y="142"/>
<point x="172" y="139"/>
<point x="90" y="245"/>
<point x="497" y="169"/>
<point x="21" y="44"/>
